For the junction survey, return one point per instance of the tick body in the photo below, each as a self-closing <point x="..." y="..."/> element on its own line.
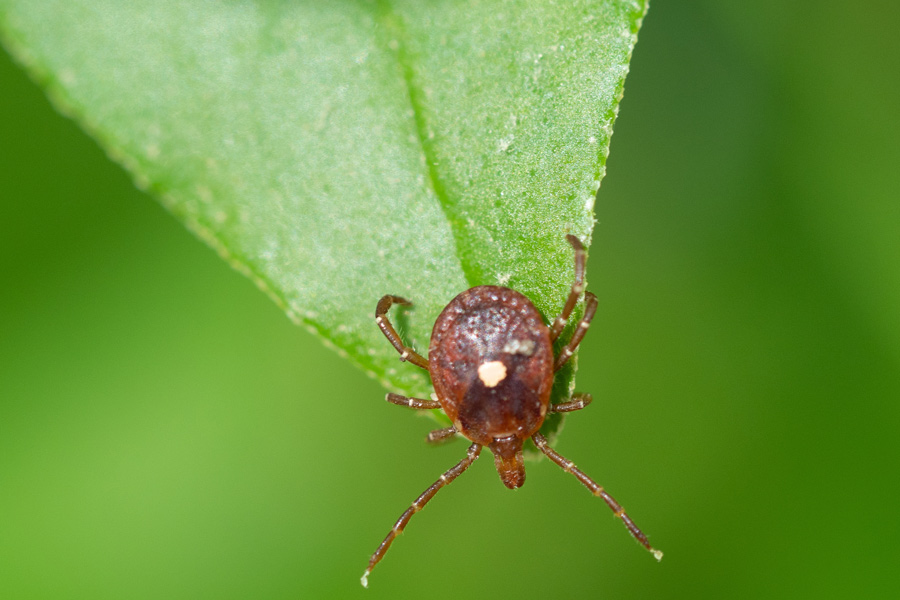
<point x="492" y="366"/>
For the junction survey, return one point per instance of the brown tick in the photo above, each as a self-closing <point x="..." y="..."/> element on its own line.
<point x="492" y="366"/>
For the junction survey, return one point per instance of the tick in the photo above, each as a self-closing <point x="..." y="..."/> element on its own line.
<point x="492" y="367"/>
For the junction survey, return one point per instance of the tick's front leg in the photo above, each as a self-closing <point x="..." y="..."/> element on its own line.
<point x="419" y="504"/>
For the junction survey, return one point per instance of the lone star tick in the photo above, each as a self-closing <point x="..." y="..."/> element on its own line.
<point x="492" y="366"/>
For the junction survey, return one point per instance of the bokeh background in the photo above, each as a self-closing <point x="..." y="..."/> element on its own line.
<point x="165" y="432"/>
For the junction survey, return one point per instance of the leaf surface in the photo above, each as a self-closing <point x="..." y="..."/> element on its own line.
<point x="335" y="152"/>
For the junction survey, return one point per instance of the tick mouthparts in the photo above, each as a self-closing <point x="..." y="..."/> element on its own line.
<point x="509" y="461"/>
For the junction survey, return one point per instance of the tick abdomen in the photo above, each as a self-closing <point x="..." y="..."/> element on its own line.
<point x="490" y="361"/>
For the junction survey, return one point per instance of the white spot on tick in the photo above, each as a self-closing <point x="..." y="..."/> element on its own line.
<point x="523" y="347"/>
<point x="491" y="373"/>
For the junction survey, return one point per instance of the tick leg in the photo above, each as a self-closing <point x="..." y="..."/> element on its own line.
<point x="590" y="307"/>
<point x="569" y="467"/>
<point x="411" y="402"/>
<point x="441" y="435"/>
<point x="419" y="504"/>
<point x="577" y="402"/>
<point x="574" y="293"/>
<point x="406" y="353"/>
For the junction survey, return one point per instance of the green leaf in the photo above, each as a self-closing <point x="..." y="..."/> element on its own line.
<point x="338" y="151"/>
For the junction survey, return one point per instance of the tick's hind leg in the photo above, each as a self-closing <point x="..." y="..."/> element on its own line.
<point x="569" y="467"/>
<point x="406" y="353"/>
<point x="419" y="504"/>
<point x="590" y="307"/>
<point x="577" y="402"/>
<point x="574" y="293"/>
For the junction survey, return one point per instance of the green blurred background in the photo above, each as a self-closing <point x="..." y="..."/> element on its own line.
<point x="165" y="432"/>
